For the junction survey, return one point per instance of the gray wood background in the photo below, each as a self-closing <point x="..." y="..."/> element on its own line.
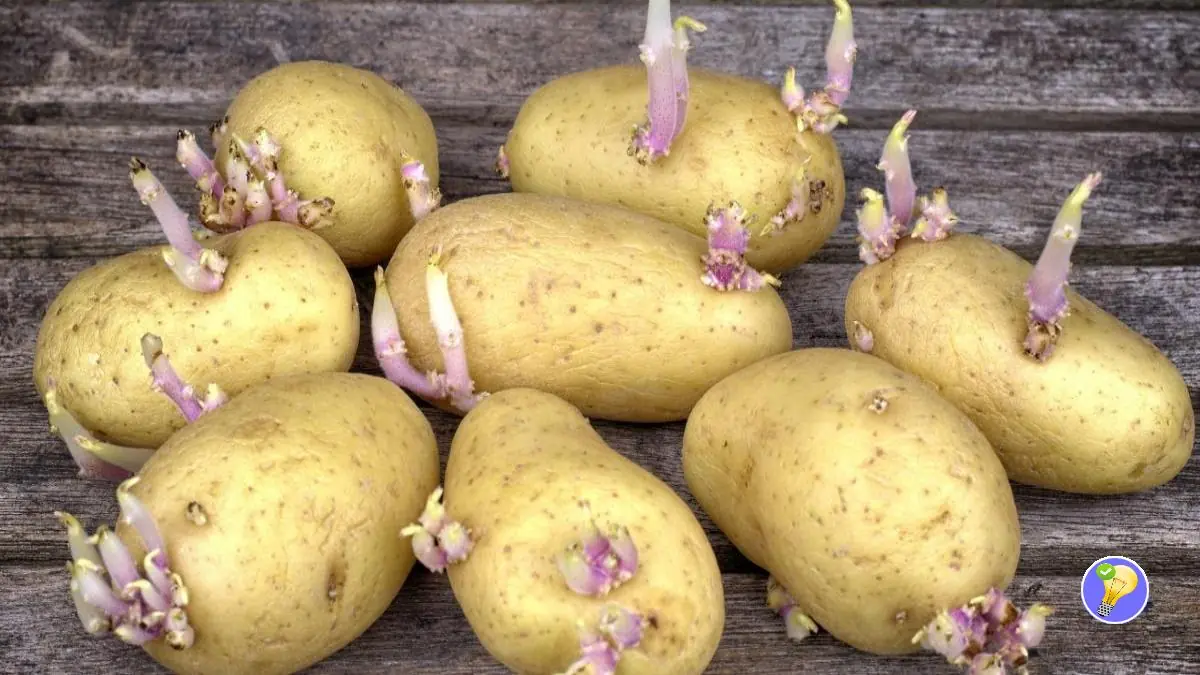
<point x="1018" y="100"/>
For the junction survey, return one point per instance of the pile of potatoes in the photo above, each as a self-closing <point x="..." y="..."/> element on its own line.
<point x="273" y="503"/>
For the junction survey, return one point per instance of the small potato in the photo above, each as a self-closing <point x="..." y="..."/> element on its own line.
<point x="345" y="134"/>
<point x="533" y="481"/>
<point x="872" y="500"/>
<point x="596" y="304"/>
<point x="286" y="305"/>
<point x="1106" y="412"/>
<point x="280" y="513"/>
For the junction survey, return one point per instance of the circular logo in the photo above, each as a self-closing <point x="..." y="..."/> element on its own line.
<point x="1115" y="590"/>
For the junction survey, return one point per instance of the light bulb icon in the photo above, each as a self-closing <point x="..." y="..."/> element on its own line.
<point x="1119" y="581"/>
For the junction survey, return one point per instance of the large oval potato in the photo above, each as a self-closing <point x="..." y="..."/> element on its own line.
<point x="281" y="513"/>
<point x="599" y="305"/>
<point x="342" y="130"/>
<point x="1106" y="413"/>
<point x="287" y="306"/>
<point x="528" y="474"/>
<point x="875" y="502"/>
<point x="571" y="139"/>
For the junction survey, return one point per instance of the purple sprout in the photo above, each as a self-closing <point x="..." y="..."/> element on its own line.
<point x="936" y="220"/>
<point x="822" y="111"/>
<point x="502" y="166"/>
<point x="165" y="380"/>
<point x="987" y="636"/>
<point x="597" y="655"/>
<point x="252" y="189"/>
<point x="599" y="563"/>
<point x="623" y="628"/>
<point x="423" y="197"/>
<point x="437" y="540"/>
<point x="95" y="458"/>
<point x="455" y="386"/>
<point x="617" y="630"/>
<point x="725" y="267"/>
<point x="799" y="625"/>
<point x="877" y="233"/>
<point x="198" y="268"/>
<point x="664" y="52"/>
<point x="1046" y="289"/>
<point x="880" y="226"/>
<point x="863" y="338"/>
<point x="897" y="172"/>
<point x="112" y="594"/>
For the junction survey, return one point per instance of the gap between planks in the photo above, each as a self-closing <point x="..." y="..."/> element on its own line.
<point x="1007" y="185"/>
<point x="989" y="64"/>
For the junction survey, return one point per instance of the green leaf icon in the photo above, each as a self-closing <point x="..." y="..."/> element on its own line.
<point x="1105" y="571"/>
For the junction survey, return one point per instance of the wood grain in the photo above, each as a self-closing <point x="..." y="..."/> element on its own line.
<point x="111" y="62"/>
<point x="411" y="637"/>
<point x="1060" y="532"/>
<point x="1018" y="99"/>
<point x="1007" y="184"/>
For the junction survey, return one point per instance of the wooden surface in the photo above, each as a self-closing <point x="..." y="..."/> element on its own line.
<point x="1018" y="100"/>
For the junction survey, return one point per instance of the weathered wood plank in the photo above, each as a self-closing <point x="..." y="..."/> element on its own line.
<point x="1141" y="5"/>
<point x="424" y="632"/>
<point x="64" y="191"/>
<point x="100" y="62"/>
<point x="1060" y="531"/>
<point x="691" y="5"/>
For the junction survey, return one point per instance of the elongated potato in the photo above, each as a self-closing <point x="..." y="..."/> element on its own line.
<point x="1107" y="412"/>
<point x="346" y="134"/>
<point x="872" y="500"/>
<point x="531" y="478"/>
<point x="570" y="139"/>
<point x="280" y="513"/>
<point x="596" y="304"/>
<point x="286" y="306"/>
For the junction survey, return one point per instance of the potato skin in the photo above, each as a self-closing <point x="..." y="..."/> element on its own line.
<point x="287" y="306"/>
<point x="571" y="139"/>
<point x="342" y="129"/>
<point x="305" y="482"/>
<point x="1107" y="413"/>
<point x="593" y="303"/>
<point x="874" y="521"/>
<point x="520" y="466"/>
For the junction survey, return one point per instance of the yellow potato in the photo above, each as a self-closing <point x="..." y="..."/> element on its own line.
<point x="281" y="512"/>
<point x="342" y="131"/>
<point x="1106" y="413"/>
<point x="872" y="500"/>
<point x="599" y="305"/>
<point x="571" y="139"/>
<point x="287" y="306"/>
<point x="527" y="474"/>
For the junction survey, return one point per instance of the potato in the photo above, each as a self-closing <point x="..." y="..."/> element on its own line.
<point x="710" y="138"/>
<point x="529" y="477"/>
<point x="570" y="140"/>
<point x="345" y="134"/>
<point x="286" y="306"/>
<point x="1107" y="412"/>
<point x="598" y="305"/>
<point x="280" y="513"/>
<point x="872" y="500"/>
